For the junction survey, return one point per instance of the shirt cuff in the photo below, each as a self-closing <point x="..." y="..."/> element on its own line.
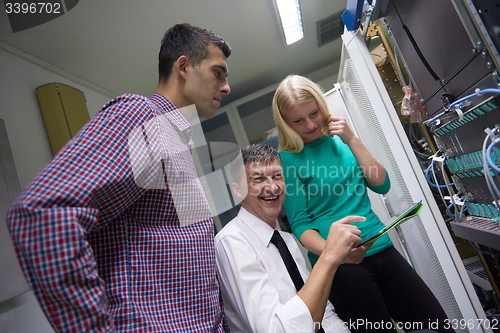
<point x="295" y="316"/>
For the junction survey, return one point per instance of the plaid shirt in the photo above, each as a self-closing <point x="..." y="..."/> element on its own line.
<point x="98" y="235"/>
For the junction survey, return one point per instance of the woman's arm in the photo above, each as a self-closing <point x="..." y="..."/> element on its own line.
<point x="312" y="241"/>
<point x="374" y="172"/>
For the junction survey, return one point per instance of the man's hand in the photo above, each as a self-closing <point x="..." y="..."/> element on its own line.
<point x="357" y="254"/>
<point x="342" y="240"/>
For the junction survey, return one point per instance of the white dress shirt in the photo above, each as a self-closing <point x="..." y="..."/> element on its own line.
<point x="259" y="295"/>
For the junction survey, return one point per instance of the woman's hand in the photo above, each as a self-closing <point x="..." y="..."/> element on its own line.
<point x="373" y="170"/>
<point x="338" y="126"/>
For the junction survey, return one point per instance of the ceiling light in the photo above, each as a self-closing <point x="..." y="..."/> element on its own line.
<point x="291" y="20"/>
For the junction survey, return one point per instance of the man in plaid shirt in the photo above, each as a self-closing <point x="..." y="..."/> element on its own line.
<point x="115" y="233"/>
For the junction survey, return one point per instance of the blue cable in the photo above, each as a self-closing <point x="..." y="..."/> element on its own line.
<point x="478" y="249"/>
<point x="488" y="155"/>
<point x="479" y="93"/>
<point x="448" y="211"/>
<point x="450" y="214"/>
<point x="458" y="103"/>
<point x="427" y="172"/>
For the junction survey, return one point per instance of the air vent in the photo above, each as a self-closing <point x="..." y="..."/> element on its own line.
<point x="329" y="29"/>
<point x="476" y="272"/>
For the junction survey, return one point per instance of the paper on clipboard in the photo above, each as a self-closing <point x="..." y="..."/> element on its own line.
<point x="413" y="211"/>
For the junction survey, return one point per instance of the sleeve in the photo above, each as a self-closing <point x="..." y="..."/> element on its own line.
<point x="331" y="321"/>
<point x="381" y="189"/>
<point x="86" y="185"/>
<point x="251" y="299"/>
<point x="296" y="199"/>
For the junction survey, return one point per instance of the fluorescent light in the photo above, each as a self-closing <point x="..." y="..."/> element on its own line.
<point x="291" y="20"/>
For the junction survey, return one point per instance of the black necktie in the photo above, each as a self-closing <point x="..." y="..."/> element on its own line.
<point x="290" y="264"/>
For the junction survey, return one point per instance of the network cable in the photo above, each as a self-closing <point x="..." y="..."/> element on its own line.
<point x="479" y="250"/>
<point x="490" y="182"/>
<point x="458" y="104"/>
<point x="456" y="217"/>
<point x="429" y="181"/>
<point x="491" y="163"/>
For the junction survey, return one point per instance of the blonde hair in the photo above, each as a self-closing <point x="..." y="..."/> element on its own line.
<point x="295" y="89"/>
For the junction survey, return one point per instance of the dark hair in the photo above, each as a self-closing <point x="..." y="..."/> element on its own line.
<point x="185" y="39"/>
<point x="253" y="153"/>
<point x="259" y="153"/>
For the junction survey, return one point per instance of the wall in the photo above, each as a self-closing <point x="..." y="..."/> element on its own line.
<point x="31" y="151"/>
<point x="21" y="112"/>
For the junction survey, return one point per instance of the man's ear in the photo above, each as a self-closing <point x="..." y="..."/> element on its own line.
<point x="237" y="190"/>
<point x="240" y="191"/>
<point x="181" y="65"/>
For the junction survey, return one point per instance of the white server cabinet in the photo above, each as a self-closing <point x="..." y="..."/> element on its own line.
<point x="425" y="241"/>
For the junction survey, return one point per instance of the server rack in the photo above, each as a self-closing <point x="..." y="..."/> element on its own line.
<point x="442" y="52"/>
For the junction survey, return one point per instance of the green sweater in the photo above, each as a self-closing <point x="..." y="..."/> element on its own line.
<point x="324" y="183"/>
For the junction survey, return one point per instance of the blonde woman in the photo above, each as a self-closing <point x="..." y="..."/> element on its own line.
<point x="327" y="170"/>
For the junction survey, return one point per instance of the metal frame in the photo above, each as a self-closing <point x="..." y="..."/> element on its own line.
<point x="434" y="225"/>
<point x="477" y="23"/>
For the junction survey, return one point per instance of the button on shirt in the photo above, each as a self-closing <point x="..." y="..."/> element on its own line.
<point x="259" y="295"/>
<point x="98" y="235"/>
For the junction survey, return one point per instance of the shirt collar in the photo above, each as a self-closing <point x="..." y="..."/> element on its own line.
<point x="263" y="230"/>
<point x="172" y="113"/>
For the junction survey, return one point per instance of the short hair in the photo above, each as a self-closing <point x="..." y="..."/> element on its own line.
<point x="185" y="39"/>
<point x="259" y="153"/>
<point x="254" y="153"/>
<point x="295" y="89"/>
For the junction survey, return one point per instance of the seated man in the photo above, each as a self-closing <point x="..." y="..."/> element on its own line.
<point x="259" y="293"/>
